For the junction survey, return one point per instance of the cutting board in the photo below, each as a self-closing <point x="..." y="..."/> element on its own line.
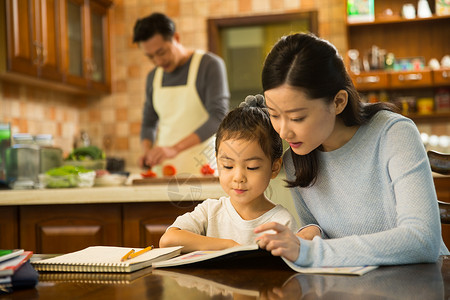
<point x="176" y="180"/>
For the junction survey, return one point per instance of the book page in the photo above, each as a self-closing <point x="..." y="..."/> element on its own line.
<point x="107" y="255"/>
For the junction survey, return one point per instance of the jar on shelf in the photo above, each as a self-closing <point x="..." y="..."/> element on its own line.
<point x="425" y="105"/>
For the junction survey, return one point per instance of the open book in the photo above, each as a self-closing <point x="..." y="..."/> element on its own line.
<point x="104" y="259"/>
<point x="252" y="256"/>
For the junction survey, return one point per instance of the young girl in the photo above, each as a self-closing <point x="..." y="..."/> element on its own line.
<point x="248" y="153"/>
<point x="359" y="171"/>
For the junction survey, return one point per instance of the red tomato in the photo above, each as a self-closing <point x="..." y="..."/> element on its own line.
<point x="207" y="170"/>
<point x="149" y="174"/>
<point x="169" y="170"/>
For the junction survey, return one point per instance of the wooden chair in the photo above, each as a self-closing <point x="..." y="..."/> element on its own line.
<point x="440" y="163"/>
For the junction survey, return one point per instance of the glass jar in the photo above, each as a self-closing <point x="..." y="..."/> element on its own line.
<point x="45" y="140"/>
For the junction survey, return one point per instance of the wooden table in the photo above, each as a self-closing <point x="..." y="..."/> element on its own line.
<point x="420" y="281"/>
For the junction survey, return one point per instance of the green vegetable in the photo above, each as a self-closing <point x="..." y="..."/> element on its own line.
<point x="67" y="170"/>
<point x="62" y="181"/>
<point x="86" y="153"/>
<point x="65" y="176"/>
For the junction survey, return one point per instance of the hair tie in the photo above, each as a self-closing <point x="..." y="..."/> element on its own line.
<point x="253" y="101"/>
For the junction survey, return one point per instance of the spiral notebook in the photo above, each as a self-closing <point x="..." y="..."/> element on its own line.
<point x="104" y="259"/>
<point x="94" y="278"/>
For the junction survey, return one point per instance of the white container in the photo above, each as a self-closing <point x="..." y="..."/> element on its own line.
<point x="423" y="9"/>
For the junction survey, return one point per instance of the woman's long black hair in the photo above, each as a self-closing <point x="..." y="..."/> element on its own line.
<point x="313" y="65"/>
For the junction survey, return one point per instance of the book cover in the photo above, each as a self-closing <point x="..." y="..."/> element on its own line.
<point x="6" y="254"/>
<point x="104" y="259"/>
<point x="251" y="256"/>
<point x="8" y="267"/>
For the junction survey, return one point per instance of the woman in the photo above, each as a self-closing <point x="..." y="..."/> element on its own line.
<point x="359" y="171"/>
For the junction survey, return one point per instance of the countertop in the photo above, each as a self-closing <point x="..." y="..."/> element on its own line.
<point x="114" y="194"/>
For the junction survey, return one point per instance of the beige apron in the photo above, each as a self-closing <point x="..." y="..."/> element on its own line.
<point x="181" y="112"/>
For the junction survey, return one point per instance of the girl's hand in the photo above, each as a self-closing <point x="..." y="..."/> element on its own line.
<point x="308" y="233"/>
<point x="282" y="243"/>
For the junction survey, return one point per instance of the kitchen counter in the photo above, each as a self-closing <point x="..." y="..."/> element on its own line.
<point x="116" y="194"/>
<point x="66" y="220"/>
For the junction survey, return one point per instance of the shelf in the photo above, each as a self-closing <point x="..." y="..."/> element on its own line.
<point x="397" y="80"/>
<point x="397" y="19"/>
<point x="405" y="39"/>
<point x="434" y="117"/>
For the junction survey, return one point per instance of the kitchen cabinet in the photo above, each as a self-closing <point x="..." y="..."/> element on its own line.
<point x="57" y="44"/>
<point x="85" y="43"/>
<point x="63" y="228"/>
<point x="405" y="38"/>
<point x="67" y="228"/>
<point x="9" y="227"/>
<point x="33" y="38"/>
<point x="145" y="223"/>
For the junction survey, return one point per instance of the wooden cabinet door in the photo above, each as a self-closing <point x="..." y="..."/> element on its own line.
<point x="98" y="62"/>
<point x="85" y="43"/>
<point x="9" y="227"/>
<point x="67" y="228"/>
<point x="145" y="223"/>
<point x="74" y="48"/>
<point x="48" y="37"/>
<point x="33" y="38"/>
<point x="21" y="37"/>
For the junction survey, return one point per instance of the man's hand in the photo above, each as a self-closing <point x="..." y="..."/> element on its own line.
<point x="158" y="155"/>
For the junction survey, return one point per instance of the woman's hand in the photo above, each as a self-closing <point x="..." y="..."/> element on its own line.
<point x="282" y="243"/>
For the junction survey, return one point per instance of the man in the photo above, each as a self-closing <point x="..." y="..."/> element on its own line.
<point x="187" y="96"/>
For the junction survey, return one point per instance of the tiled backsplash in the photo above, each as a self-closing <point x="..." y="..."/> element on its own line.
<point x="113" y="121"/>
<point x="33" y="110"/>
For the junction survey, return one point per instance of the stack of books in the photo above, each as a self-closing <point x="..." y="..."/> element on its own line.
<point x="16" y="270"/>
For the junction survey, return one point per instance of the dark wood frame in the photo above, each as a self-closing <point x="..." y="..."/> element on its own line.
<point x="215" y="24"/>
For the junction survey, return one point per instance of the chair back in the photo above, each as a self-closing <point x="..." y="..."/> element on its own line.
<point x="440" y="163"/>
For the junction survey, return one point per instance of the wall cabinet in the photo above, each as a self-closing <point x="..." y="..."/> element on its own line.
<point x="85" y="40"/>
<point x="70" y="227"/>
<point x="63" y="44"/>
<point x="33" y="38"/>
<point x="424" y="38"/>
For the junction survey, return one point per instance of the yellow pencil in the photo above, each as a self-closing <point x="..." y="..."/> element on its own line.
<point x="134" y="254"/>
<point x="127" y="256"/>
